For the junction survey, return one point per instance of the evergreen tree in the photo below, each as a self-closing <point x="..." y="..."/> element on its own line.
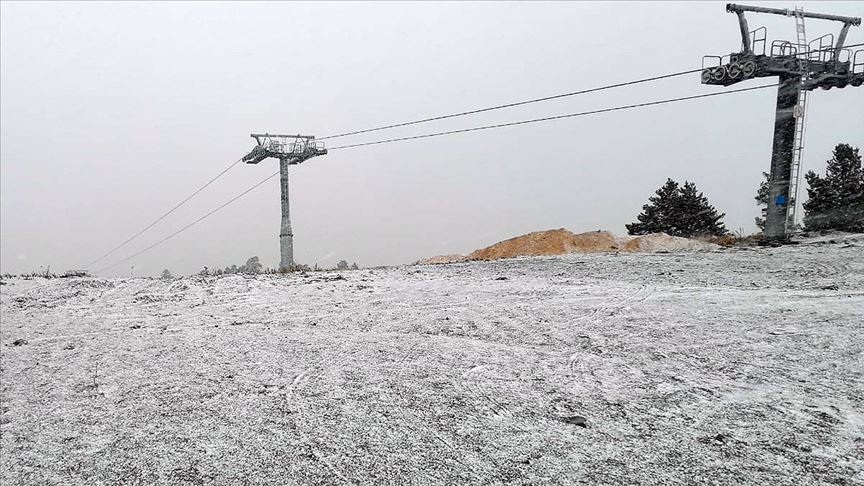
<point x="253" y="265"/>
<point x="762" y="200"/>
<point x="678" y="211"/>
<point x="655" y="214"/>
<point x="697" y="215"/>
<point x="836" y="201"/>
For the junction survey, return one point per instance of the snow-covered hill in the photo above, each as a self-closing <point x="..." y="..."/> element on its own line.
<point x="727" y="367"/>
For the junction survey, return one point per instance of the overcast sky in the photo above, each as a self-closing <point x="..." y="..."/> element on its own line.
<point x="111" y="113"/>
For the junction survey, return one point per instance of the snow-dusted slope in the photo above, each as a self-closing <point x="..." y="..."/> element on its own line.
<point x="727" y="367"/>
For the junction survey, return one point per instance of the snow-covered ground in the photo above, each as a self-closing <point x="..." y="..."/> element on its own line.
<point x="729" y="367"/>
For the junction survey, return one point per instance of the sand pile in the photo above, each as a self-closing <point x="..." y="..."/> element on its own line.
<point x="560" y="241"/>
<point x="441" y="259"/>
<point x="551" y="242"/>
<point x="664" y="242"/>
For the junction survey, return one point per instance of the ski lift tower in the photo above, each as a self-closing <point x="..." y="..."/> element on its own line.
<point x="290" y="150"/>
<point x="802" y="66"/>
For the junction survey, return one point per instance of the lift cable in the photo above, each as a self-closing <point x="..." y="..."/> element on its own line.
<point x="415" y="122"/>
<point x="481" y="110"/>
<point x="511" y="105"/>
<point x="535" y="100"/>
<point x="238" y="196"/>
<point x="160" y="218"/>
<point x="549" y="118"/>
<point x="571" y="115"/>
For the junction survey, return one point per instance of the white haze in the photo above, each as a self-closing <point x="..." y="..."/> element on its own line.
<point x="113" y="112"/>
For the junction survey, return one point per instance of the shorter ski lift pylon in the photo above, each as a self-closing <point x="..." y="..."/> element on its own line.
<point x="290" y="150"/>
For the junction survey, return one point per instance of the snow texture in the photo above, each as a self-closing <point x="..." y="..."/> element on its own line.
<point x="739" y="366"/>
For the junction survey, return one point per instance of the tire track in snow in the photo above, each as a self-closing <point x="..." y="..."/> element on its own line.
<point x="605" y="376"/>
<point x="476" y="382"/>
<point x="616" y="304"/>
<point x="596" y="372"/>
<point x="312" y="378"/>
<point x="295" y="318"/>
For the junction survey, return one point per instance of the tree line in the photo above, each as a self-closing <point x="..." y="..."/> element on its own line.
<point x="253" y="266"/>
<point x="835" y="202"/>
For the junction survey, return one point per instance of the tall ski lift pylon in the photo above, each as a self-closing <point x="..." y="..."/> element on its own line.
<point x="801" y="66"/>
<point x="290" y="150"/>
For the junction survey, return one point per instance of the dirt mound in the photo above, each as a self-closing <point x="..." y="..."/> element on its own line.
<point x="441" y="259"/>
<point x="664" y="242"/>
<point x="560" y="242"/>
<point x="551" y="242"/>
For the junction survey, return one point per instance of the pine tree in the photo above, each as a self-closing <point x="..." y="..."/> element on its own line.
<point x="678" y="211"/>
<point x="762" y="200"/>
<point x="655" y="215"/>
<point x="697" y="217"/>
<point x="836" y="201"/>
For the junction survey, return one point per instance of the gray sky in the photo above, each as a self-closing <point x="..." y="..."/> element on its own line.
<point x="110" y="113"/>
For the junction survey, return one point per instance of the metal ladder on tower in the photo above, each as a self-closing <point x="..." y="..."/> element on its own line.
<point x="800" y="114"/>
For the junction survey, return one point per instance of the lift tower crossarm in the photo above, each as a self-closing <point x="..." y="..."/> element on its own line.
<point x="745" y="30"/>
<point x="256" y="136"/>
<point x="731" y="7"/>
